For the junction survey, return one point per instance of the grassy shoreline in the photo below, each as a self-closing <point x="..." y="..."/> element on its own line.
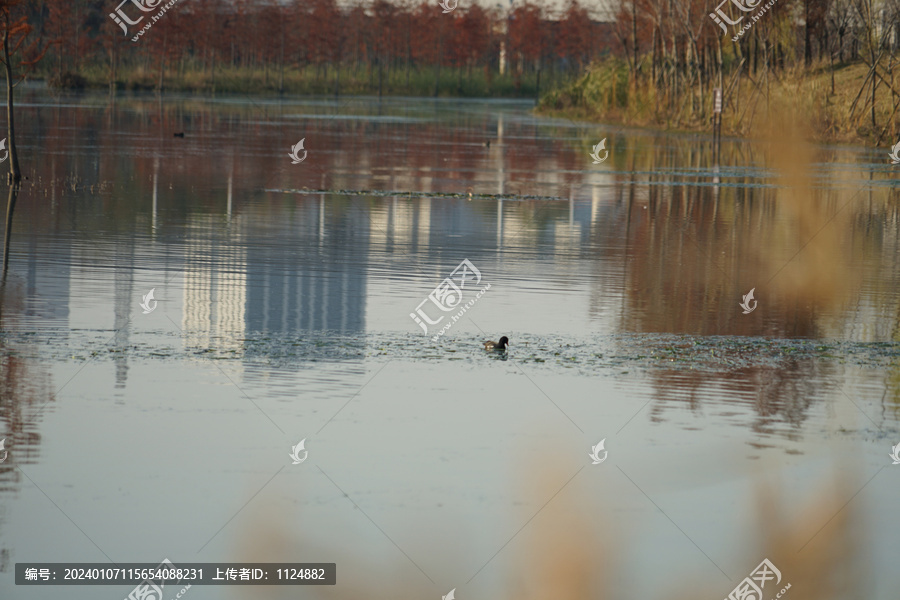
<point x="348" y="81"/>
<point x="606" y="94"/>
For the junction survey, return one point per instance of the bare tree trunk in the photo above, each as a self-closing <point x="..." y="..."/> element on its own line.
<point x="874" y="87"/>
<point x="337" y="79"/>
<point x="634" y="43"/>
<point x="831" y="57"/>
<point x="408" y="52"/>
<point x="77" y="36"/>
<point x="162" y="62"/>
<point x="113" y="62"/>
<point x="380" y="76"/>
<point x="674" y="97"/>
<point x="875" y="61"/>
<point x="807" y="56"/>
<point x="437" y="72"/>
<point x="281" y="64"/>
<point x="59" y="55"/>
<point x="15" y="175"/>
<point x="7" y="235"/>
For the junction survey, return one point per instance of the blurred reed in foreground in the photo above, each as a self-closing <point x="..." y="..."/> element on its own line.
<point x="570" y="549"/>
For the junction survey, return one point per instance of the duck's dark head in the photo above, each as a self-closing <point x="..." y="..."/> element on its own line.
<point x="503" y="341"/>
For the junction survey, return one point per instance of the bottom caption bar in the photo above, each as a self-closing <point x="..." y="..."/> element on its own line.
<point x="156" y="576"/>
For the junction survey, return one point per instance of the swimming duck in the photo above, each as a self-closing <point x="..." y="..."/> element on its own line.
<point x="501" y="345"/>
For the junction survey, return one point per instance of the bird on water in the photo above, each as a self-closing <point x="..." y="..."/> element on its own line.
<point x="501" y="345"/>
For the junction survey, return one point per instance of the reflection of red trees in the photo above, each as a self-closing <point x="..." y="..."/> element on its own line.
<point x="779" y="395"/>
<point x="25" y="391"/>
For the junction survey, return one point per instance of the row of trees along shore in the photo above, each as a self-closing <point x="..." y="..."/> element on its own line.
<point x="320" y="46"/>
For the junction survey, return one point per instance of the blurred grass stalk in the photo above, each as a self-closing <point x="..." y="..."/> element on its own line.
<point x="573" y="550"/>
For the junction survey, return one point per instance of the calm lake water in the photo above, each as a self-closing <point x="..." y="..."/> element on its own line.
<point x="283" y="297"/>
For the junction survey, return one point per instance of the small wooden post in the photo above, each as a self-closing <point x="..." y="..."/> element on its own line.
<point x="717" y="123"/>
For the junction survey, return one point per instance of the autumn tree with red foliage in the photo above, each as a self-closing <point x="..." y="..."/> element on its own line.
<point x="574" y="41"/>
<point x="471" y="39"/>
<point x="21" y="52"/>
<point x="527" y="38"/>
